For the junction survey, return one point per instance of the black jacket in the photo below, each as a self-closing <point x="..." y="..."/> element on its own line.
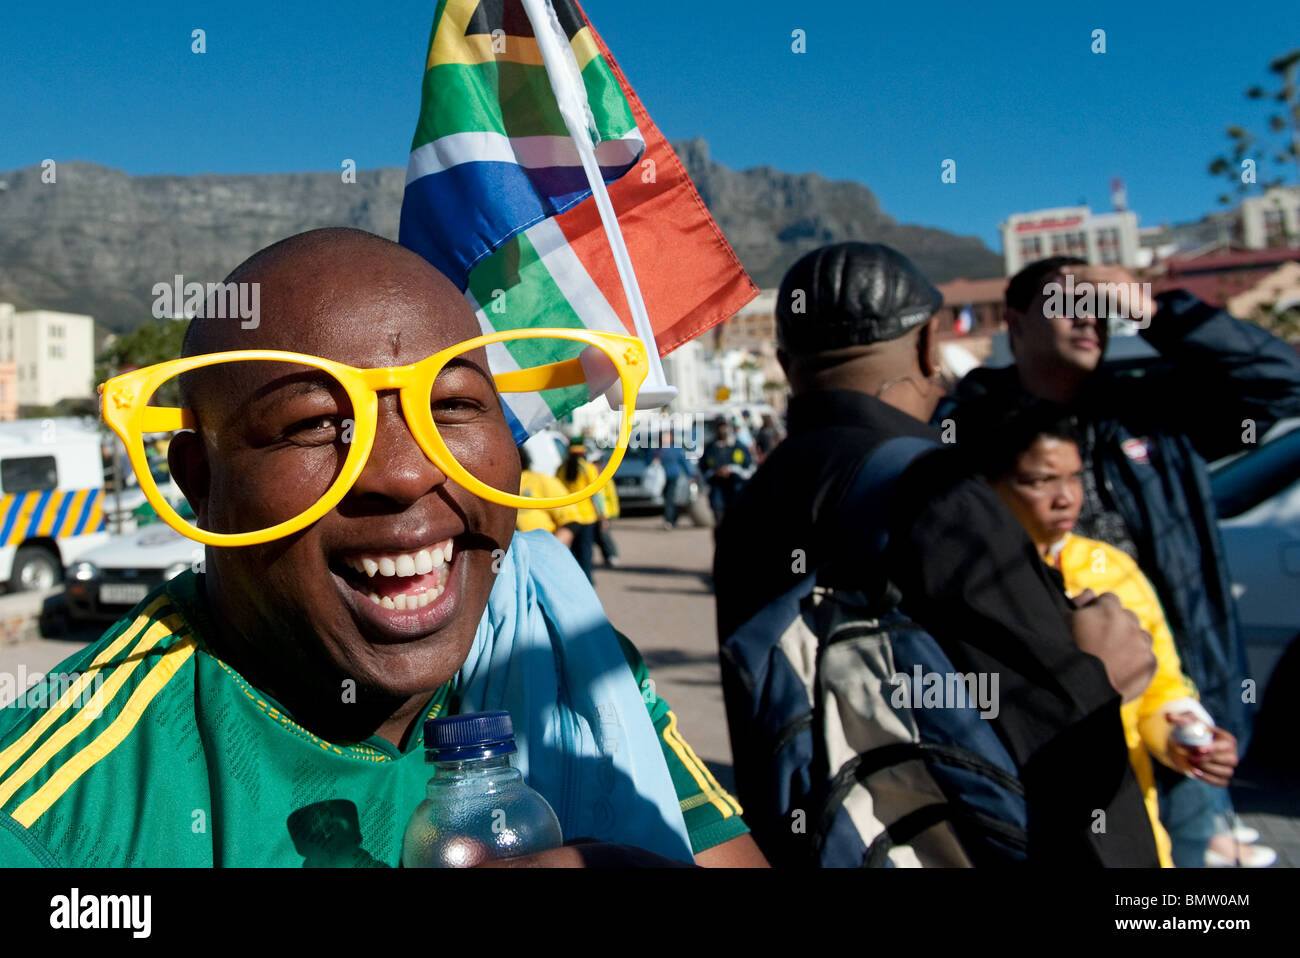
<point x="971" y="577"/>
<point x="1155" y="433"/>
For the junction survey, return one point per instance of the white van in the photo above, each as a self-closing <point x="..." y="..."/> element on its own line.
<point x="51" y="498"/>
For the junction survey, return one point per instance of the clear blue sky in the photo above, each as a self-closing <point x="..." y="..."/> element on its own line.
<point x="884" y="93"/>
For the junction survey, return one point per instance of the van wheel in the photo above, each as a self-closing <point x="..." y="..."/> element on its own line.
<point x="35" y="570"/>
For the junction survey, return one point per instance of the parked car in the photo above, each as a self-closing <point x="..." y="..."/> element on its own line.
<point x="1257" y="495"/>
<point x="104" y="583"/>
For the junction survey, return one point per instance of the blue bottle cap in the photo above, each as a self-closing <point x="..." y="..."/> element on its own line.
<point x="459" y="738"/>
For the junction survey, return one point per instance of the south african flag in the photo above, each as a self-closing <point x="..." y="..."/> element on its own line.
<point x="496" y="197"/>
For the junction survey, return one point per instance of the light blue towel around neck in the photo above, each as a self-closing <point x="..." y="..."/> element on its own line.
<point x="545" y="652"/>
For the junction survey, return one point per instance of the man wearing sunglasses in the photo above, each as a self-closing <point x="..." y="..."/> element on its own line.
<point x="354" y="476"/>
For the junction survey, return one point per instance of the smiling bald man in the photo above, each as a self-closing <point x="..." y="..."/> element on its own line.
<point x="269" y="711"/>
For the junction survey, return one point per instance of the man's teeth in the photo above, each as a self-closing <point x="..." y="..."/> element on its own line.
<point x="406" y="602"/>
<point x="402" y="564"/>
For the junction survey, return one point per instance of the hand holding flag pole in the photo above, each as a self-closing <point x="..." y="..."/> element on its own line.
<point x="571" y="96"/>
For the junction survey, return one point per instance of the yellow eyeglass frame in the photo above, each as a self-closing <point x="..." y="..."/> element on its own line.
<point x="124" y="406"/>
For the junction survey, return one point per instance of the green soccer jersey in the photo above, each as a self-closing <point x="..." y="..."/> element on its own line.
<point x="146" y="749"/>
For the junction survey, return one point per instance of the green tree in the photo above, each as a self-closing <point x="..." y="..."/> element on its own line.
<point x="1284" y="323"/>
<point x="1284" y="125"/>
<point x="155" y="342"/>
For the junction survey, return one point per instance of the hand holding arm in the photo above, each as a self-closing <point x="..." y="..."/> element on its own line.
<point x="1103" y="628"/>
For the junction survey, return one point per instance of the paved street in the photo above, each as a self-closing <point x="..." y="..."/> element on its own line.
<point x="660" y="599"/>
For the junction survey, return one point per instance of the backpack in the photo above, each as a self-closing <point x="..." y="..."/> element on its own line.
<point x="838" y="762"/>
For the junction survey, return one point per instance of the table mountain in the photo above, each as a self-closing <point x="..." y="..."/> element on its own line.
<point x="97" y="239"/>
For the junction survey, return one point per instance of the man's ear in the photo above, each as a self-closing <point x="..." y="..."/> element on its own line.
<point x="187" y="460"/>
<point x="927" y="347"/>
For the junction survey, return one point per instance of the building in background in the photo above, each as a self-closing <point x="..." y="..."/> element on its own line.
<point x="52" y="357"/>
<point x="1101" y="238"/>
<point x="743" y="357"/>
<point x="982" y="300"/>
<point x="683" y="368"/>
<point x="754" y="325"/>
<point x="1272" y="220"/>
<point x="1216" y="276"/>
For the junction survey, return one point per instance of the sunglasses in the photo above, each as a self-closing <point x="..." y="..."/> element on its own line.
<point x="306" y="426"/>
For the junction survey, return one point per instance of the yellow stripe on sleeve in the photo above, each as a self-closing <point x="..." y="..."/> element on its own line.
<point x="709" y="786"/>
<point x="88" y="712"/>
<point x="18" y="748"/>
<point x="111" y="737"/>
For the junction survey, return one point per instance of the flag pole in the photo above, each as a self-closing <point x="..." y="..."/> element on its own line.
<point x="571" y="96"/>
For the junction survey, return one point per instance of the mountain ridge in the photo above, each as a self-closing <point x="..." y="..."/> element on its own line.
<point x="98" y="239"/>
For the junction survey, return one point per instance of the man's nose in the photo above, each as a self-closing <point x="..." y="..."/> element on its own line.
<point x="397" y="468"/>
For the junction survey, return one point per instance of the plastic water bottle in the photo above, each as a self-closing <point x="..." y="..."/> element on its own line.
<point x="478" y="807"/>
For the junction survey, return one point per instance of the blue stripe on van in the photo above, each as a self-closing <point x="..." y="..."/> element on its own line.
<point x="63" y="512"/>
<point x="86" y="509"/>
<point x="38" y="513"/>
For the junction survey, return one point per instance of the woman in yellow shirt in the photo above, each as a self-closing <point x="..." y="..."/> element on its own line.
<point x="536" y="485"/>
<point x="577" y="473"/>
<point x="1043" y="487"/>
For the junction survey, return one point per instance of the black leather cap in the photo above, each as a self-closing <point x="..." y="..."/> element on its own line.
<point x="851" y="294"/>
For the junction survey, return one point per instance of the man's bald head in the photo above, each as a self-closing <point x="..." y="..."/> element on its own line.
<point x="300" y="278"/>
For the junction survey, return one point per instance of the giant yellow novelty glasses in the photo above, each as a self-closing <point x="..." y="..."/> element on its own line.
<point x="295" y="431"/>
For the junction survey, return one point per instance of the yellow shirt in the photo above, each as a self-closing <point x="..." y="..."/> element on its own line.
<point x="1090" y="564"/>
<point x="611" y="499"/>
<point x="539" y="486"/>
<point x="584" y="511"/>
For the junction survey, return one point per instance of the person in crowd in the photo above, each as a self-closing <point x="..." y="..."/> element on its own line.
<point x="740" y="429"/>
<point x="1145" y="441"/>
<point x="605" y="501"/>
<point x="769" y="434"/>
<point x="536" y="485"/>
<point x="607" y="504"/>
<point x="857" y="338"/>
<point x="726" y="465"/>
<point x="1033" y="463"/>
<point x="243" y="704"/>
<point x="577" y="473"/>
<point x="677" y="471"/>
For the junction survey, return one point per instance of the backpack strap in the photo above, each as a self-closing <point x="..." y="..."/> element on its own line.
<point x="863" y="514"/>
<point x="873" y="485"/>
